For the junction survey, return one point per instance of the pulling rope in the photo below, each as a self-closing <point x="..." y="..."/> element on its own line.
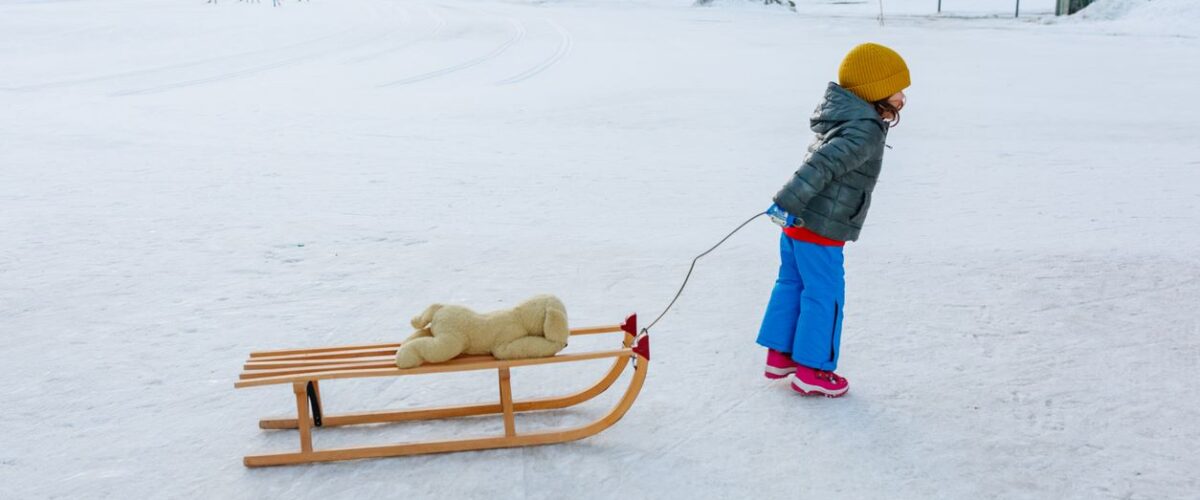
<point x="646" y="330"/>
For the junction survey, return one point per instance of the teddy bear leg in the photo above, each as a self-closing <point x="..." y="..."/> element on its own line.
<point x="429" y="350"/>
<point x="527" y="347"/>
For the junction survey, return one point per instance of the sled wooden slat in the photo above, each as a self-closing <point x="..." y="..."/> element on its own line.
<point x="314" y="350"/>
<point x="291" y="363"/>
<point x="304" y="368"/>
<point x="347" y="353"/>
<point x="345" y="363"/>
<point x="300" y="370"/>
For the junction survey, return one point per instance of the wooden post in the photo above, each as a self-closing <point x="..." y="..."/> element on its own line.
<point x="303" y="421"/>
<point x="1018" y="14"/>
<point x="507" y="403"/>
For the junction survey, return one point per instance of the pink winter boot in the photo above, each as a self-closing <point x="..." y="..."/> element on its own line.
<point x="779" y="364"/>
<point x="812" y="382"/>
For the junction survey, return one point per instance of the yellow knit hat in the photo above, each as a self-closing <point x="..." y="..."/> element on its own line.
<point x="873" y="72"/>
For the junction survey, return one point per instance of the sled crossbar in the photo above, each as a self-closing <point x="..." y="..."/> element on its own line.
<point x="305" y="368"/>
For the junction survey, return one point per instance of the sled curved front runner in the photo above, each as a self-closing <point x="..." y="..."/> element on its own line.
<point x="303" y="369"/>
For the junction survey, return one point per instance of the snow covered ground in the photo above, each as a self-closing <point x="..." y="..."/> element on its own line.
<point x="182" y="183"/>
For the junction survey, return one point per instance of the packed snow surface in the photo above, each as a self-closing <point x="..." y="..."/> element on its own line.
<point x="182" y="183"/>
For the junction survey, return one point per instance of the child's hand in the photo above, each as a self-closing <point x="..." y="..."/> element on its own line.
<point x="780" y="216"/>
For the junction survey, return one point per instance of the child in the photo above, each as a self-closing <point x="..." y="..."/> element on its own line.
<point x="821" y="208"/>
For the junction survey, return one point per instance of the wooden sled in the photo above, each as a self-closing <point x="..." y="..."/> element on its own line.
<point x="303" y="369"/>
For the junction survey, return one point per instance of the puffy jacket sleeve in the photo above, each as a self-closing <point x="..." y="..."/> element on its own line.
<point x="844" y="151"/>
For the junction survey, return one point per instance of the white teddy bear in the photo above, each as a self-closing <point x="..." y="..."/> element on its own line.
<point x="535" y="328"/>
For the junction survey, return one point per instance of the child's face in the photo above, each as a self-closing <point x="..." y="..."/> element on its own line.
<point x="897" y="101"/>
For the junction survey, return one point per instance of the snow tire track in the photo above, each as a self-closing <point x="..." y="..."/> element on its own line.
<point x="247" y="71"/>
<point x="158" y="69"/>
<point x="518" y="35"/>
<point x="440" y="25"/>
<point x="564" y="47"/>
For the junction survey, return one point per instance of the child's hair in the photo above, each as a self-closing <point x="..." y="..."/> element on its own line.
<point x="883" y="107"/>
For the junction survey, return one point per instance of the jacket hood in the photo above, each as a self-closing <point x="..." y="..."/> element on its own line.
<point x="840" y="106"/>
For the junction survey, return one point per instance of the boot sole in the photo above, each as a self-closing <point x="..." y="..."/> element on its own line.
<point x="776" y="373"/>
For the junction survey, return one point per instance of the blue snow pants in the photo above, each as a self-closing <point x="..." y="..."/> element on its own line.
<point x="804" y="315"/>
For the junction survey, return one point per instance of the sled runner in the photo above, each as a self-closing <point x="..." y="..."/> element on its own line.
<point x="303" y="369"/>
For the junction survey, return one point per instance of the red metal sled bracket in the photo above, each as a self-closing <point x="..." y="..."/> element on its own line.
<point x="641" y="340"/>
<point x="630" y="324"/>
<point x="641" y="345"/>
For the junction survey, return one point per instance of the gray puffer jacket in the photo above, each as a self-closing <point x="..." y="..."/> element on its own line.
<point x="831" y="192"/>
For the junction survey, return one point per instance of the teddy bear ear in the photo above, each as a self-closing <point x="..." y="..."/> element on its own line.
<point x="555" y="327"/>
